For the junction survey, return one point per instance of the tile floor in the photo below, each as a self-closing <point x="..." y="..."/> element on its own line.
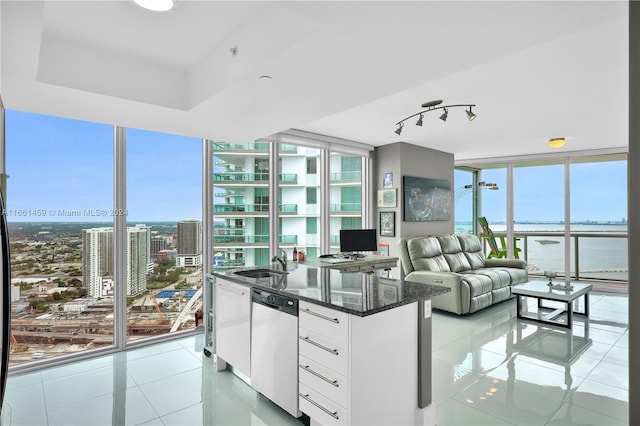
<point x="488" y="369"/>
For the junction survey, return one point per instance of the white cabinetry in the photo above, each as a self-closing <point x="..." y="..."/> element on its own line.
<point x="358" y="370"/>
<point x="233" y="328"/>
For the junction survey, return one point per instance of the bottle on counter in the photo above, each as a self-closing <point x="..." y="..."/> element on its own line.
<point x="295" y="253"/>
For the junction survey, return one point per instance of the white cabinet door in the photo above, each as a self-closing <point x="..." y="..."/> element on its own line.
<point x="233" y="328"/>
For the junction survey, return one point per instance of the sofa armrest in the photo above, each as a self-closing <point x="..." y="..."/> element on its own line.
<point x="507" y="263"/>
<point x="452" y="301"/>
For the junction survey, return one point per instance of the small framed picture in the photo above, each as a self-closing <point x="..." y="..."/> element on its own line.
<point x="388" y="224"/>
<point x="387" y="181"/>
<point x="386" y="198"/>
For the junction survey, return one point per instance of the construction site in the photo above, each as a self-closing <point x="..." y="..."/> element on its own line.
<point x="44" y="336"/>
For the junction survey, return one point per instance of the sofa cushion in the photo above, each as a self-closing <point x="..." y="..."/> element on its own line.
<point x="452" y="252"/>
<point x="478" y="284"/>
<point x="498" y="276"/>
<point x="472" y="248"/>
<point x="426" y="255"/>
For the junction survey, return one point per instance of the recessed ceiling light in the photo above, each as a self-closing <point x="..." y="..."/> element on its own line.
<point x="556" y="142"/>
<point x="155" y="5"/>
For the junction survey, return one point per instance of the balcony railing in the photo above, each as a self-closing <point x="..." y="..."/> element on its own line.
<point x="240" y="177"/>
<point x="240" y="208"/>
<point x="252" y="146"/>
<point x="291" y="178"/>
<point x="288" y="178"/>
<point x="594" y="255"/>
<point x="346" y="176"/>
<point x="346" y="207"/>
<point x="240" y="239"/>
<point x="253" y="208"/>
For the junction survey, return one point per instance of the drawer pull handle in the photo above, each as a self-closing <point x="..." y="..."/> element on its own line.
<point x="321" y="346"/>
<point x="324" y="317"/>
<point x="332" y="414"/>
<point x="315" y="373"/>
<point x="231" y="290"/>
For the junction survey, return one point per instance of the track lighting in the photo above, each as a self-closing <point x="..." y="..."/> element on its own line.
<point x="470" y="115"/>
<point x="432" y="106"/>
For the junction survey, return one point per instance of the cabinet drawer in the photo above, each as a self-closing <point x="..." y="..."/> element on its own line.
<point x="323" y="350"/>
<point x="320" y="409"/>
<point x="330" y="384"/>
<point x="327" y="322"/>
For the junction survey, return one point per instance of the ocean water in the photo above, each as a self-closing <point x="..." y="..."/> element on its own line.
<point x="599" y="256"/>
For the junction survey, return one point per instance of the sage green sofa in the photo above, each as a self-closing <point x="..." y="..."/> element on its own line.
<point x="457" y="261"/>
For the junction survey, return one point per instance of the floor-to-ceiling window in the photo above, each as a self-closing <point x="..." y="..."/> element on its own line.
<point x="599" y="218"/>
<point x="241" y="199"/>
<point x="299" y="198"/>
<point x="492" y="198"/>
<point x="465" y="192"/>
<point x="241" y="204"/>
<point x="164" y="233"/>
<point x="345" y="195"/>
<point x="59" y="206"/>
<point x="538" y="206"/>
<point x="597" y="206"/>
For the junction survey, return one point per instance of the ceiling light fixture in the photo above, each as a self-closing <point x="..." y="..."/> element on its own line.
<point x="470" y="115"/>
<point x="156" y="5"/>
<point x="556" y="142"/>
<point x="432" y="106"/>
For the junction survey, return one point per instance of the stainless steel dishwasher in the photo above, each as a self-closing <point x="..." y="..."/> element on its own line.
<point x="274" y="348"/>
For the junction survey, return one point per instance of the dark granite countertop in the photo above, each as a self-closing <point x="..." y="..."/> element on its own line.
<point x="356" y="293"/>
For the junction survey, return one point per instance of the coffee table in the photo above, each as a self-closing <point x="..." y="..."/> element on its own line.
<point x="541" y="291"/>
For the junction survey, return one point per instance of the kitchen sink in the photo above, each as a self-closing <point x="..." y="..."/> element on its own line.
<point x="260" y="273"/>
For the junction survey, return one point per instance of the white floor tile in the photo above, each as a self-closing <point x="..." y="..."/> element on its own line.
<point x="160" y="365"/>
<point x="483" y="373"/>
<point x="127" y="407"/>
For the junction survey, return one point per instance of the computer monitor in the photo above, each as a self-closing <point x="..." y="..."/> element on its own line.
<point x="358" y="240"/>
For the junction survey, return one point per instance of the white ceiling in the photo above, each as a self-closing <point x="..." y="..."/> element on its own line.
<point x="534" y="69"/>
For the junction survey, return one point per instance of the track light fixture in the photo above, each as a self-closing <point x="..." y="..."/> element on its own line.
<point x="470" y="115"/>
<point x="432" y="106"/>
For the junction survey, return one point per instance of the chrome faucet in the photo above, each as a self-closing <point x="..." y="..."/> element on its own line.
<point x="282" y="260"/>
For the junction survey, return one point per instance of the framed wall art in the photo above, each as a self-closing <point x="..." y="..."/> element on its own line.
<point x="387" y="198"/>
<point x="388" y="224"/>
<point x="387" y="181"/>
<point x="426" y="199"/>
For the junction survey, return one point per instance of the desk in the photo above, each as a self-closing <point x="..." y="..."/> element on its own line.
<point x="366" y="264"/>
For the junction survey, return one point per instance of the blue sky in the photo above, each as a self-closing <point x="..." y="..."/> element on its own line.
<point x="59" y="164"/>
<point x="598" y="193"/>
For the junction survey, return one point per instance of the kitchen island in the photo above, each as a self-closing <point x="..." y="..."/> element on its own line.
<point x="364" y="342"/>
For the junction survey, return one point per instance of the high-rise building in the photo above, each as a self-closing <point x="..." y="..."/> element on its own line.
<point x="157" y="245"/>
<point x="242" y="200"/>
<point x="189" y="237"/>
<point x="189" y="244"/>
<point x="97" y="259"/>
